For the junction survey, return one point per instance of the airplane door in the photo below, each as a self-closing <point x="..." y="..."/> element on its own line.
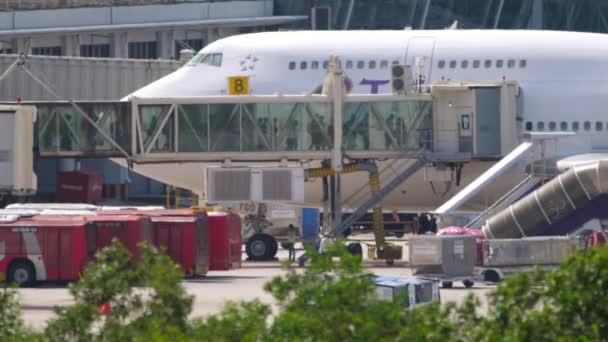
<point x="420" y="48"/>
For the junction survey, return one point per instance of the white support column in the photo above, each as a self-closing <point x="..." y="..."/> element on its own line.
<point x="119" y="45"/>
<point x="166" y="44"/>
<point x="71" y="45"/>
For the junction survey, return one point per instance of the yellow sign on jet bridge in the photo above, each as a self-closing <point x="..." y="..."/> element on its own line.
<point x="238" y="85"/>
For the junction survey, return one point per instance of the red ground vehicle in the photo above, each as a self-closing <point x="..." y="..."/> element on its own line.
<point x="101" y="229"/>
<point x="33" y="250"/>
<point x="182" y="232"/>
<point x="225" y="241"/>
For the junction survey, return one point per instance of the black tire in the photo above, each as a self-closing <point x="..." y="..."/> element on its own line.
<point x="355" y="248"/>
<point x="446" y="284"/>
<point x="22" y="273"/>
<point x="468" y="283"/>
<point x="274" y="247"/>
<point x="491" y="276"/>
<point x="261" y="247"/>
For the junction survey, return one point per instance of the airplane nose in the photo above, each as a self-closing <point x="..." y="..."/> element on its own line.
<point x="184" y="82"/>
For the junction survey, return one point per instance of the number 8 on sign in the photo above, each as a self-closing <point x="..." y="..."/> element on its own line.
<point x="238" y="85"/>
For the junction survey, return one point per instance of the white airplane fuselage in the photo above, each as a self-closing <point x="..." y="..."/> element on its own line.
<point x="562" y="76"/>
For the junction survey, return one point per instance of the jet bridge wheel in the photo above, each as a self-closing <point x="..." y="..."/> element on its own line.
<point x="261" y="247"/>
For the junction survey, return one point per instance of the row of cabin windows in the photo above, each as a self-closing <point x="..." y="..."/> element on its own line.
<point x="565" y="126"/>
<point x="373" y="64"/>
<point x="488" y="63"/>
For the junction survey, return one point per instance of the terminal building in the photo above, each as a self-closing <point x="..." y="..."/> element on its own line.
<point x="133" y="32"/>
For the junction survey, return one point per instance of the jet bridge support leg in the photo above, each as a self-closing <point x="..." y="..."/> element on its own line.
<point x="384" y="250"/>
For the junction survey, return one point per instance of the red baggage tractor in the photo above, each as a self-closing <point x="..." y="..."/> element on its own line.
<point x="79" y="186"/>
<point x="43" y="250"/>
<point x="225" y="242"/>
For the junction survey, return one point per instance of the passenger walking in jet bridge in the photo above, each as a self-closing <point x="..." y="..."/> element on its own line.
<point x="389" y="132"/>
<point x="291" y="240"/>
<point x="292" y="135"/>
<point x="315" y="131"/>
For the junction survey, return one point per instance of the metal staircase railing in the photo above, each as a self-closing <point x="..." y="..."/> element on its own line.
<point x="517" y="192"/>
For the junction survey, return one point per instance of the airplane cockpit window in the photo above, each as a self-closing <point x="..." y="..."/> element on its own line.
<point x="441" y="64"/>
<point x="372" y="64"/>
<point x="196" y="59"/>
<point x="599" y="126"/>
<point x="452" y="64"/>
<point x="360" y="64"/>
<point x="383" y="64"/>
<point x="552" y="126"/>
<point x="575" y="126"/>
<point x="214" y="59"/>
<point x="563" y="126"/>
<point x="499" y="63"/>
<point x="587" y="126"/>
<point x="487" y="64"/>
<point x="292" y="65"/>
<point x="476" y="64"/>
<point x="464" y="64"/>
<point x="349" y="64"/>
<point x="540" y="126"/>
<point x="511" y="63"/>
<point x="523" y="63"/>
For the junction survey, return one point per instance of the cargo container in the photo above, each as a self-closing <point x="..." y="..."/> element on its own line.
<point x="477" y="233"/>
<point x="503" y="257"/>
<point x="183" y="232"/>
<point x="79" y="186"/>
<point x="46" y="250"/>
<point x="549" y="250"/>
<point x="185" y="239"/>
<point x="225" y="241"/>
<point x="130" y="230"/>
<point x="448" y="258"/>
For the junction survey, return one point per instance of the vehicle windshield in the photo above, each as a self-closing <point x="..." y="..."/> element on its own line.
<point x="196" y="59"/>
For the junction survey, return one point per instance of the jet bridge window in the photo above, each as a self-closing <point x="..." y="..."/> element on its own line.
<point x="563" y="126"/>
<point x="599" y="125"/>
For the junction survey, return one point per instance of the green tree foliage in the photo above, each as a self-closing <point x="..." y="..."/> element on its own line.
<point x="331" y="300"/>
